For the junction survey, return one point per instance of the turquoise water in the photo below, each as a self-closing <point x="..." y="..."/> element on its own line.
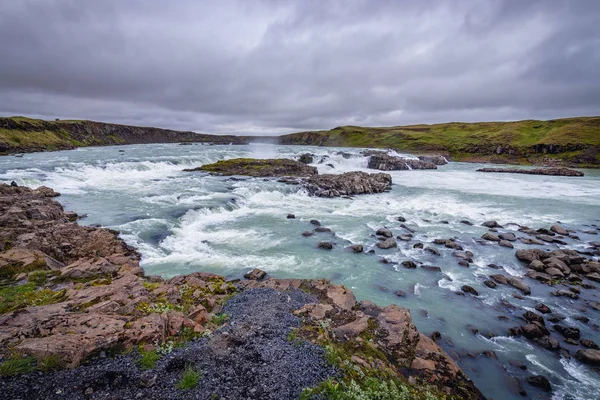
<point x="183" y="222"/>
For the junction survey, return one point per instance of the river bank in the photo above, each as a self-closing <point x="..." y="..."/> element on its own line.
<point x="72" y="293"/>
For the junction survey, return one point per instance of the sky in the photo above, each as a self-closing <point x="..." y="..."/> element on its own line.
<point x="269" y="67"/>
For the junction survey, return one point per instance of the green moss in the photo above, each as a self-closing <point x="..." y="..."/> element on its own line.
<point x="9" y="271"/>
<point x="20" y="296"/>
<point x="219" y="319"/>
<point x="17" y="366"/>
<point x="151" y="285"/>
<point x="189" y="380"/>
<point x="148" y="359"/>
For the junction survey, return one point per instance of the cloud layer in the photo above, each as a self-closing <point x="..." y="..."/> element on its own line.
<point x="271" y="67"/>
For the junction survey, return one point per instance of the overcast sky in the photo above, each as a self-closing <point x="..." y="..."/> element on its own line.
<point x="272" y="67"/>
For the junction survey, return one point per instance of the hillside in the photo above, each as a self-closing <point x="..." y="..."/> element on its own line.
<point x="575" y="141"/>
<point x="23" y="135"/>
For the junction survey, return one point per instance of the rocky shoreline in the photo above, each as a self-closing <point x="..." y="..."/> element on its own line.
<point x="76" y="297"/>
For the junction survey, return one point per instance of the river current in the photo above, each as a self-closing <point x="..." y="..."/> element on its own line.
<point x="183" y="222"/>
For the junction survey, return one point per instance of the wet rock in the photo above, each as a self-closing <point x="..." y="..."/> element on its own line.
<point x="465" y="222"/>
<point x="508" y="236"/>
<point x="588" y="356"/>
<point x="436" y="336"/>
<point x="435" y="159"/>
<point x="530" y="255"/>
<point x="405" y="238"/>
<point x="491" y="237"/>
<point x="306" y="158"/>
<point x="418" y="246"/>
<point x="494" y="266"/>
<point x="325" y="245"/>
<point x="534" y="331"/>
<point x="491" y="224"/>
<point x="322" y="229"/>
<point x="400" y="293"/>
<point x="387" y="244"/>
<point x="539" y="276"/>
<point x="385" y="162"/>
<point x="258" y="168"/>
<point x="537" y="265"/>
<point x="548" y="342"/>
<point x="256" y="274"/>
<point x="307" y="233"/>
<point x="530" y="316"/>
<point x="384" y="232"/>
<point x="431" y="268"/>
<point x="409" y="264"/>
<point x="559" y="229"/>
<point x="356" y="248"/>
<point x="490" y="284"/>
<point x="347" y="184"/>
<point x="540" y="382"/>
<point x="432" y="251"/>
<point x="565" y="293"/>
<point x="589" y="344"/>
<point x="315" y="222"/>
<point x="518" y="364"/>
<point x="594" y="276"/>
<point x="506" y="243"/>
<point x="530" y="241"/>
<point x="291" y="216"/>
<point x="568" y="332"/>
<point x="469" y="289"/>
<point x="499" y="278"/>
<point x="544" y="309"/>
<point x="463" y="263"/>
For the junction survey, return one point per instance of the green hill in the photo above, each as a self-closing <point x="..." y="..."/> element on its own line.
<point x="575" y="141"/>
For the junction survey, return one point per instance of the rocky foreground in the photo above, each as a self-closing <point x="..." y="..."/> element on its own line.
<point x="554" y="171"/>
<point x="75" y="297"/>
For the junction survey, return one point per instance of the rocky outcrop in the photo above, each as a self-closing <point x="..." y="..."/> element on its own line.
<point x="435" y="159"/>
<point x="258" y="168"/>
<point x="556" y="171"/>
<point x="384" y="162"/>
<point x="84" y="292"/>
<point x="348" y="184"/>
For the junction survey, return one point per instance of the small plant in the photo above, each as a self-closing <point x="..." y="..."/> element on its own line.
<point x="164" y="348"/>
<point x="17" y="366"/>
<point x="151" y="285"/>
<point x="190" y="378"/>
<point x="148" y="359"/>
<point x="219" y="319"/>
<point x="49" y="363"/>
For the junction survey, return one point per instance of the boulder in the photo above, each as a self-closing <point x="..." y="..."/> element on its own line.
<point x="508" y="236"/>
<point x="491" y="224"/>
<point x="559" y="229"/>
<point x="325" y="245"/>
<point x="506" y="243"/>
<point x="435" y="159"/>
<point x="256" y="274"/>
<point x="490" y="284"/>
<point x="568" y="332"/>
<point x="384" y="232"/>
<point x="385" y="162"/>
<point x="409" y="264"/>
<point x="491" y="237"/>
<point x="540" y="382"/>
<point x="356" y="248"/>
<point x="387" y="244"/>
<point x="544" y="309"/>
<point x="469" y="289"/>
<point x="347" y="184"/>
<point x="588" y="356"/>
<point x="306" y="158"/>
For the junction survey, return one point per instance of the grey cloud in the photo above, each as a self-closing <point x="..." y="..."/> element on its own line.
<point x="269" y="67"/>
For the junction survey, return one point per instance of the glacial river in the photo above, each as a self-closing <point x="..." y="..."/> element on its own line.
<point x="183" y="222"/>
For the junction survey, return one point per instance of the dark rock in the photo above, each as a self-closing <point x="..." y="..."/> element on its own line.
<point x="544" y="309"/>
<point x="387" y="244"/>
<point x="409" y="264"/>
<point x="530" y="316"/>
<point x="588" y="356"/>
<point x="14" y="184"/>
<point x="557" y="171"/>
<point x="436" y="336"/>
<point x="291" y="216"/>
<point x="315" y="222"/>
<point x="548" y="343"/>
<point x="469" y="289"/>
<point x="465" y="222"/>
<point x="559" y="229"/>
<point x="568" y="332"/>
<point x="435" y="159"/>
<point x="518" y="364"/>
<point x="256" y="274"/>
<point x="258" y="167"/>
<point x="508" y="236"/>
<point x="540" y="382"/>
<point x="463" y="263"/>
<point x="384" y="232"/>
<point x="356" y="248"/>
<point x="347" y="184"/>
<point x="400" y="293"/>
<point x="384" y="162"/>
<point x="418" y="246"/>
<point x="401" y="219"/>
<point x="506" y="243"/>
<point x="431" y="268"/>
<point x="491" y="237"/>
<point x="491" y="224"/>
<point x="490" y="284"/>
<point x="306" y="158"/>
<point x="589" y="344"/>
<point x="432" y="251"/>
<point x="325" y="245"/>
<point x="307" y="233"/>
<point x="534" y="331"/>
<point x="322" y="229"/>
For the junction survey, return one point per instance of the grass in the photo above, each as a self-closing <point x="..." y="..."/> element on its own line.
<point x="49" y="363"/>
<point x="21" y="296"/>
<point x="219" y="319"/>
<point x="17" y="366"/>
<point x="189" y="380"/>
<point x="464" y="141"/>
<point x="148" y="359"/>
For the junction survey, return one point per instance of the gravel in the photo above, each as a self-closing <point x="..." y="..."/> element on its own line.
<point x="249" y="358"/>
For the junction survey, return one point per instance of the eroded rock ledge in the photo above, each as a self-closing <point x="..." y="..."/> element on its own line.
<point x="556" y="171"/>
<point x="71" y="292"/>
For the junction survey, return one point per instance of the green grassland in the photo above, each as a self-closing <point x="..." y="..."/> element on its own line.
<point x="573" y="140"/>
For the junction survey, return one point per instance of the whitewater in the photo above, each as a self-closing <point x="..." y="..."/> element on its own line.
<point x="183" y="222"/>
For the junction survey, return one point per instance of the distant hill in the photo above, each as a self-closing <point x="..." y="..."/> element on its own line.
<point x="574" y="141"/>
<point x="24" y="135"/>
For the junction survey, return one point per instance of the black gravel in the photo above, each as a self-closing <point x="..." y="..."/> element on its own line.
<point x="249" y="358"/>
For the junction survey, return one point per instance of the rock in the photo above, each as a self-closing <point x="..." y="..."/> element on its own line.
<point x="530" y="255"/>
<point x="594" y="276"/>
<point x="307" y="233"/>
<point x="540" y="382"/>
<point x="568" y="332"/>
<point x="544" y="309"/>
<point x="559" y="229"/>
<point x="291" y="216"/>
<point x="491" y="224"/>
<point x="315" y="222"/>
<point x="506" y="243"/>
<point x="517" y="284"/>
<point x="499" y="278"/>
<point x="588" y="356"/>
<point x="589" y="344"/>
<point x="465" y="222"/>
<point x="555" y="272"/>
<point x="436" y="336"/>
<point x="490" y="284"/>
<point x="384" y="232"/>
<point x="347" y="184"/>
<point x="356" y="248"/>
<point x="258" y="167"/>
<point x="256" y="274"/>
<point x="530" y="316"/>
<point x="418" y="246"/>
<point x="534" y="331"/>
<point x="401" y="219"/>
<point x="530" y="241"/>
<point x="400" y="293"/>
<point x="405" y="238"/>
<point x="435" y="159"/>
<point x="387" y="244"/>
<point x="508" y="236"/>
<point x="491" y="237"/>
<point x="537" y="265"/>
<point x="321" y="229"/>
<point x="325" y="245"/>
<point x="463" y="263"/>
<point x="306" y="158"/>
<point x="432" y="251"/>
<point x="384" y="162"/>
<point x="565" y="293"/>
<point x="431" y="268"/>
<point x="557" y="171"/>
<point x="469" y="289"/>
<point x="548" y="343"/>
<point x="14" y="184"/>
<point x="409" y="264"/>
<point x="148" y="379"/>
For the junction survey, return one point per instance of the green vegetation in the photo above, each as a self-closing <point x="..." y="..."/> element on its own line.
<point x="190" y="378"/>
<point x="148" y="359"/>
<point x="219" y="319"/>
<point x="370" y="388"/>
<point x="50" y="363"/>
<point x="578" y="138"/>
<point x="17" y="366"/>
<point x="20" y="296"/>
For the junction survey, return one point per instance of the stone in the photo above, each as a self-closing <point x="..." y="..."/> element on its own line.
<point x="557" y="171"/>
<point x="431" y="268"/>
<point x="409" y="264"/>
<point x="594" y="276"/>
<point x="537" y="265"/>
<point x="530" y="255"/>
<point x="356" y="248"/>
<point x="533" y="331"/>
<point x="382" y="161"/>
<point x="530" y="316"/>
<point x="589" y="344"/>
<point x="387" y="244"/>
<point x="490" y="284"/>
<point x="256" y="274"/>
<point x="325" y="245"/>
<point x="433" y="251"/>
<point x="540" y="382"/>
<point x="307" y="233"/>
<point x="491" y="224"/>
<point x="291" y="216"/>
<point x="258" y="168"/>
<point x="568" y="332"/>
<point x="315" y="222"/>
<point x="506" y="243"/>
<point x="544" y="309"/>
<point x="322" y="229"/>
<point x="588" y="356"/>
<point x="469" y="289"/>
<point x="465" y="222"/>
<point x="306" y="158"/>
<point x="508" y="236"/>
<point x="400" y="293"/>
<point x="548" y="343"/>
<point x="347" y="184"/>
<point x="491" y="237"/>
<point x="559" y="229"/>
<point x="384" y="232"/>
